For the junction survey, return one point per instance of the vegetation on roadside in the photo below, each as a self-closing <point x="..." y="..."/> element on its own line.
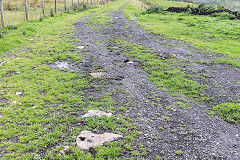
<point x="202" y="31"/>
<point x="166" y="77"/>
<point x="41" y="105"/>
<point x="215" y="33"/>
<point x="227" y="111"/>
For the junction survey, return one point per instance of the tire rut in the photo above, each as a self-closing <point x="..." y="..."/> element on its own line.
<point x="192" y="132"/>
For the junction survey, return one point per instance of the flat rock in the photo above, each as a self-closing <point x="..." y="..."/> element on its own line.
<point x="87" y="139"/>
<point x="97" y="74"/>
<point x="96" y="113"/>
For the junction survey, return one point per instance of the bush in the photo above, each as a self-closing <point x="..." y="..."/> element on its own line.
<point x="154" y="9"/>
<point x="224" y="15"/>
<point x="11" y="27"/>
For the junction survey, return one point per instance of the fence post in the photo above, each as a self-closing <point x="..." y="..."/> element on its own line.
<point x="43" y="8"/>
<point x="65" y="5"/>
<point x="26" y="9"/>
<point x="72" y="4"/>
<point x="55" y="6"/>
<point x="78" y="3"/>
<point x="1" y="7"/>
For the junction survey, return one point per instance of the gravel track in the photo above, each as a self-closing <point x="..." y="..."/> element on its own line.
<point x="191" y="131"/>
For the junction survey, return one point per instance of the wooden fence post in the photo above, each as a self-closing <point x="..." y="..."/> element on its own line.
<point x="26" y="9"/>
<point x="43" y="8"/>
<point x="72" y="4"/>
<point x="1" y="7"/>
<point x="78" y="3"/>
<point x="55" y="6"/>
<point x="65" y="5"/>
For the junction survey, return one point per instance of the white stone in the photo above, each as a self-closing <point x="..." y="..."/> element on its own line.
<point x="14" y="102"/>
<point x="31" y="39"/>
<point x="2" y="62"/>
<point x="98" y="74"/>
<point x="18" y="93"/>
<point x="80" y="47"/>
<point x="88" y="139"/>
<point x="130" y="62"/>
<point x="96" y="113"/>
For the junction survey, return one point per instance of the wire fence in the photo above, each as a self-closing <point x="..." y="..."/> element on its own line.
<point x="17" y="11"/>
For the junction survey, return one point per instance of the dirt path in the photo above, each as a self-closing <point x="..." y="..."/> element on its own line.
<point x="183" y="134"/>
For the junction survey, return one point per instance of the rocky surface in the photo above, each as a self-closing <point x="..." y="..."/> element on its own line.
<point x="172" y="133"/>
<point x="96" y="113"/>
<point x="87" y="139"/>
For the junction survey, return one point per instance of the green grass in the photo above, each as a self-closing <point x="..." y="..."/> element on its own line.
<point x="227" y="111"/>
<point x="45" y="117"/>
<point x="165" y="3"/>
<point x="205" y="32"/>
<point x="163" y="75"/>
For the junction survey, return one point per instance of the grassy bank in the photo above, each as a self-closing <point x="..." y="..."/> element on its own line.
<point x="41" y="105"/>
<point x="216" y="34"/>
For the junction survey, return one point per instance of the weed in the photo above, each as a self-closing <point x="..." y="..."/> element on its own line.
<point x="227" y="111"/>
<point x="178" y="152"/>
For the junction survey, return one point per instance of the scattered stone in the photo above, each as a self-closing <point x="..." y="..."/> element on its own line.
<point x="1" y="116"/>
<point x="2" y="62"/>
<point x="62" y="65"/>
<point x="97" y="74"/>
<point x="80" y="47"/>
<point x="14" y="102"/>
<point x="18" y="93"/>
<point x="130" y="62"/>
<point x="87" y="139"/>
<point x="64" y="149"/>
<point x="31" y="39"/>
<point x="96" y="113"/>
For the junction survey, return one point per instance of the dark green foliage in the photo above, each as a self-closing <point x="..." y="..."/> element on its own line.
<point x="154" y="9"/>
<point x="24" y="32"/>
<point x="224" y="15"/>
<point x="41" y="18"/>
<point x="11" y="27"/>
<point x="52" y="13"/>
<point x="1" y="34"/>
<point x="203" y="9"/>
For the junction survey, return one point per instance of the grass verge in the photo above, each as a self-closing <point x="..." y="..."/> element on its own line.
<point x="215" y="34"/>
<point x="41" y="105"/>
